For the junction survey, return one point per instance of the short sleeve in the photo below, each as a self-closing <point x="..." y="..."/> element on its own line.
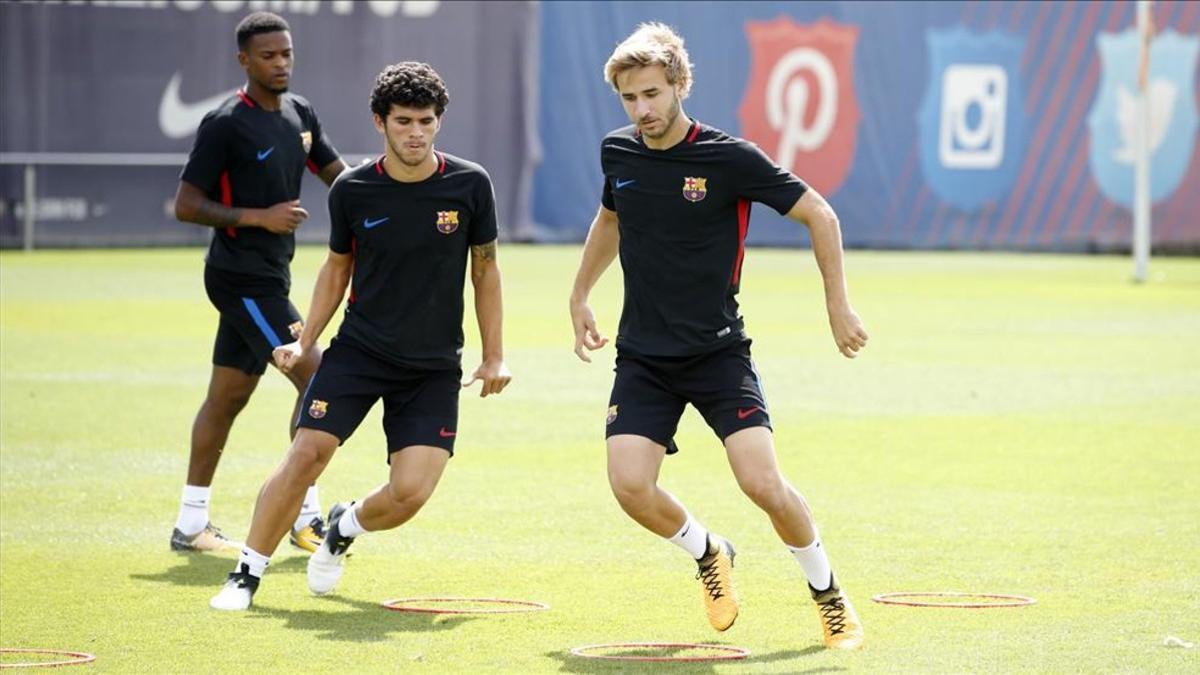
<point x="322" y="151"/>
<point x="762" y="180"/>
<point x="483" y="221"/>
<point x="606" y="196"/>
<point x="341" y="236"/>
<point x="209" y="156"/>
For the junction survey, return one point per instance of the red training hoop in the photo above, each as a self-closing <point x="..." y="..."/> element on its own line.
<point x="504" y="606"/>
<point x="726" y="653"/>
<point x="79" y="658"/>
<point x="1005" y="600"/>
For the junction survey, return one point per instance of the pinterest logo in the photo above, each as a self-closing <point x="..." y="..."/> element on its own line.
<point x="799" y="103"/>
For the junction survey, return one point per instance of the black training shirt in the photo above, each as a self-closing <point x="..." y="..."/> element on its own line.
<point x="410" y="242"/>
<point x="683" y="214"/>
<point x="250" y="158"/>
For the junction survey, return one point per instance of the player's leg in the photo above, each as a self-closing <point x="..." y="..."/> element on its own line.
<point x="308" y="531"/>
<point x="274" y="511"/>
<point x="643" y="415"/>
<point x="420" y="418"/>
<point x="752" y="457"/>
<point x="235" y="375"/>
<point x="338" y="397"/>
<point x="734" y="405"/>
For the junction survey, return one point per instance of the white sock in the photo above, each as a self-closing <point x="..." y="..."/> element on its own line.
<point x="692" y="537"/>
<point x="815" y="563"/>
<point x="311" y="508"/>
<point x="254" y="561"/>
<point x="193" y="509"/>
<point x="348" y="524"/>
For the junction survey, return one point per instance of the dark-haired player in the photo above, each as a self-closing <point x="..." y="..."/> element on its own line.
<point x="243" y="180"/>
<point x="402" y="227"/>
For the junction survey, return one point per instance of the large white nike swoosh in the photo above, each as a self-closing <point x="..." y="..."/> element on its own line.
<point x="178" y="119"/>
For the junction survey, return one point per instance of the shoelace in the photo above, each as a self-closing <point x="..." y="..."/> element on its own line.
<point x="709" y="576"/>
<point x="834" y="612"/>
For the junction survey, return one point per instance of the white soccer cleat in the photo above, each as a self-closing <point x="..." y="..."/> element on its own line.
<point x="325" y="565"/>
<point x="237" y="593"/>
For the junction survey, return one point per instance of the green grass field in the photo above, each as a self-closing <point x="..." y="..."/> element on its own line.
<point x="1018" y="424"/>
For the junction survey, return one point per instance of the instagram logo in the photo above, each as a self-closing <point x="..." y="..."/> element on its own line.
<point x="971" y="132"/>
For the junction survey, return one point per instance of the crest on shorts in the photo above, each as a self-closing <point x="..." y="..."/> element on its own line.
<point x="612" y="414"/>
<point x="318" y="409"/>
<point x="694" y="189"/>
<point x="306" y="140"/>
<point x="295" y="329"/>
<point x="447" y="221"/>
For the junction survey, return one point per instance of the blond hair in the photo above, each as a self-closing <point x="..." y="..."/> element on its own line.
<point x="652" y="44"/>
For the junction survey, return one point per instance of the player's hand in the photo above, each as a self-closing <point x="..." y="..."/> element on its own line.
<point x="495" y="376"/>
<point x="287" y="356"/>
<point x="586" y="333"/>
<point x="284" y="217"/>
<point x="848" y="331"/>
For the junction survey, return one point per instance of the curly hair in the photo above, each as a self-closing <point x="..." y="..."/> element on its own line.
<point x="652" y="44"/>
<point x="258" y="23"/>
<point x="409" y="84"/>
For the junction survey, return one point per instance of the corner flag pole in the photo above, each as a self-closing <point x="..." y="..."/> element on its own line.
<point x="1141" y="172"/>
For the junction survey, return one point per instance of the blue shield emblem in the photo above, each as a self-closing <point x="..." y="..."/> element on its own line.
<point x="972" y="127"/>
<point x="1172" y="112"/>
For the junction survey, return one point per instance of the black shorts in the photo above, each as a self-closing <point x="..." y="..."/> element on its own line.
<point x="649" y="394"/>
<point x="420" y="407"/>
<point x="252" y="323"/>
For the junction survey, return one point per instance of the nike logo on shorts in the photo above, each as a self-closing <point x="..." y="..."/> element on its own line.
<point x="444" y="433"/>
<point x="743" y="414"/>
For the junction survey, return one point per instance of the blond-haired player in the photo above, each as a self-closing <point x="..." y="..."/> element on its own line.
<point x="676" y="207"/>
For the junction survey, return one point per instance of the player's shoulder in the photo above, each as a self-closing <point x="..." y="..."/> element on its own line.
<point x="624" y="136"/>
<point x="714" y="137"/>
<point x="300" y="103"/>
<point x="366" y="172"/>
<point x="225" y="112"/>
<point x="459" y="167"/>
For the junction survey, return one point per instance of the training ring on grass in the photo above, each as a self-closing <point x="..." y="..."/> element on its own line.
<point x="721" y="652"/>
<point x="907" y="599"/>
<point x="77" y="658"/>
<point x="430" y="605"/>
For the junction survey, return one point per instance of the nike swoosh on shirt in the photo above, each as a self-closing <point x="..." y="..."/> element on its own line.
<point x="263" y="154"/>
<point x="368" y="223"/>
<point x="177" y="119"/>
<point x="623" y="183"/>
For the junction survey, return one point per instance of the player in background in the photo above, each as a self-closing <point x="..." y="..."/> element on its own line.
<point x="243" y="180"/>
<point x="676" y="208"/>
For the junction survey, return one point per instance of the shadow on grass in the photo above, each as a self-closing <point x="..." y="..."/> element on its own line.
<point x="371" y="623"/>
<point x="577" y="664"/>
<point x="210" y="570"/>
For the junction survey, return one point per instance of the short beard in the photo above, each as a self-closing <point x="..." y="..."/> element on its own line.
<point x="672" y="115"/>
<point x="278" y="91"/>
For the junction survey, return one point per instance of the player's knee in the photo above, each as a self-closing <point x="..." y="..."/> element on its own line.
<point x="409" y="494"/>
<point x="631" y="491"/>
<point x="769" y="492"/>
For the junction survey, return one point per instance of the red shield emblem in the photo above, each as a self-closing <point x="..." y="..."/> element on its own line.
<point x="799" y="106"/>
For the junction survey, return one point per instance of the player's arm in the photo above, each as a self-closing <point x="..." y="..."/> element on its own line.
<point x="331" y="171"/>
<point x="814" y="212"/>
<point x="598" y="253"/>
<point x="489" y="312"/>
<point x="193" y="206"/>
<point x="332" y="281"/>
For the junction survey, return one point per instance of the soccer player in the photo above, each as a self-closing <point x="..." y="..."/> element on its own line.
<point x="401" y="229"/>
<point x="676" y="205"/>
<point x="243" y="180"/>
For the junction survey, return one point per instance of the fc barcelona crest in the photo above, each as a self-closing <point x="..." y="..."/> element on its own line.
<point x="306" y="140"/>
<point x="612" y="415"/>
<point x="693" y="189"/>
<point x="447" y="221"/>
<point x="318" y="409"/>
